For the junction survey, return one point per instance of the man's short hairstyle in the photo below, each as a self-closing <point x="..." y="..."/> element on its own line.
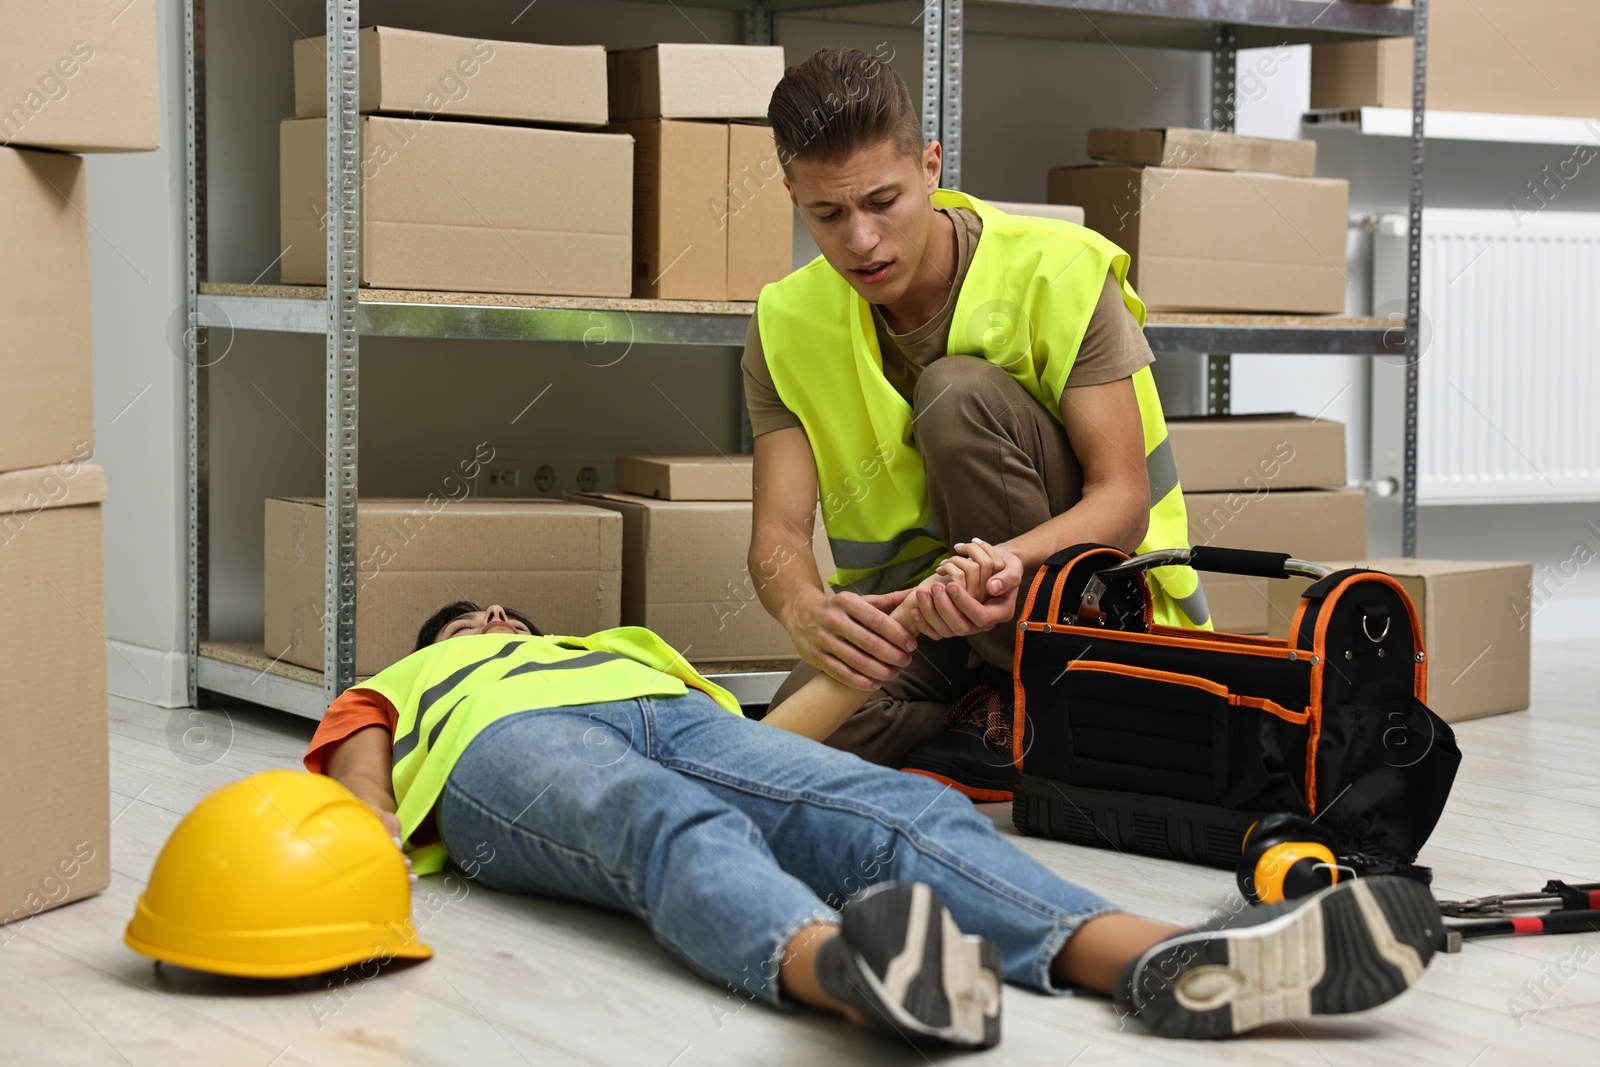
<point x="451" y="612"/>
<point x="839" y="100"/>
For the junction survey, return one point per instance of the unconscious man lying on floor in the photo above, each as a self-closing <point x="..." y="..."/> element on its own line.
<point x="604" y="769"/>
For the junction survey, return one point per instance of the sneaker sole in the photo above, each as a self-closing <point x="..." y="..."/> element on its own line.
<point x="1351" y="947"/>
<point x="920" y="975"/>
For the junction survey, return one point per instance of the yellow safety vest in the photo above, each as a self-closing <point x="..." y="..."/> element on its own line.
<point x="447" y="693"/>
<point x="1029" y="293"/>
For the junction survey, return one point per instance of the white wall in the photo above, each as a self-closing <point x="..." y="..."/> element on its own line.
<point x="136" y="264"/>
<point x="425" y="403"/>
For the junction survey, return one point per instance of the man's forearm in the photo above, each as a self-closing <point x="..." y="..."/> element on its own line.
<point x="1103" y="516"/>
<point x="784" y="571"/>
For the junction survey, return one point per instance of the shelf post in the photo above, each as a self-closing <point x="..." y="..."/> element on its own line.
<point x="941" y="83"/>
<point x="344" y="280"/>
<point x="1419" y="99"/>
<point x="195" y="379"/>
<point x="1223" y="118"/>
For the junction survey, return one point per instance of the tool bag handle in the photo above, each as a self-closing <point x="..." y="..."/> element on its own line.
<point x="1202" y="558"/>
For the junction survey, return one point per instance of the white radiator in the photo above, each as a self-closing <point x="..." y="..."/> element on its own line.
<point x="1509" y="401"/>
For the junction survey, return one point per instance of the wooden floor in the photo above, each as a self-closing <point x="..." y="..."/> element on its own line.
<point x="527" y="981"/>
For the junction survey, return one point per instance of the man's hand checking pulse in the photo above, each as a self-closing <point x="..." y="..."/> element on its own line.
<point x="851" y="638"/>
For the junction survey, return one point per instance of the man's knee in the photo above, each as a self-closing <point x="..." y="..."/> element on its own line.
<point x="957" y="394"/>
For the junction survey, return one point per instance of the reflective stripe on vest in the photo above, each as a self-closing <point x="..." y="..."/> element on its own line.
<point x="1029" y="292"/>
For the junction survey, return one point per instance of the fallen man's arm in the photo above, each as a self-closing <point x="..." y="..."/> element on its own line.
<point x="823" y="704"/>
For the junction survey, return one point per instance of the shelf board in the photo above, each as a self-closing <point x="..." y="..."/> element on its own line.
<point x="1459" y="126"/>
<point x="243" y="670"/>
<point x="597" y="322"/>
<point x="594" y="321"/>
<point x="1184" y="24"/>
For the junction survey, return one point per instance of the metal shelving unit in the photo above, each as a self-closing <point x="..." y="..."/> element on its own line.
<point x="344" y="313"/>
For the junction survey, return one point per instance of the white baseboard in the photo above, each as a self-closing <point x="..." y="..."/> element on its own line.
<point x="1562" y="618"/>
<point x="150" y="675"/>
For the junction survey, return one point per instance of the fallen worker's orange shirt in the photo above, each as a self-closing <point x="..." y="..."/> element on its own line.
<point x="351" y="711"/>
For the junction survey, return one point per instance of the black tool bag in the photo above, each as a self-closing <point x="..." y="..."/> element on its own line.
<point x="1172" y="741"/>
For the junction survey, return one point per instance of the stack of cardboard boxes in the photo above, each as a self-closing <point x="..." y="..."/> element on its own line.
<point x="1215" y="222"/>
<point x="73" y="78"/>
<point x="522" y="202"/>
<point x="686" y="524"/>
<point x="712" y="219"/>
<point x="485" y="168"/>
<point x="1519" y="57"/>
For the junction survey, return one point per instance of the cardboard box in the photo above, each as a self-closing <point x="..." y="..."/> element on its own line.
<point x="1216" y="241"/>
<point x="684" y="575"/>
<point x="1280" y="451"/>
<point x="760" y="218"/>
<point x="711" y="217"/>
<point x="1474" y="627"/>
<point x="405" y="72"/>
<point x="46" y="354"/>
<point x="55" y="791"/>
<point x="1310" y="524"/>
<point x="558" y="563"/>
<point x="467" y="207"/>
<point x="1061" y="212"/>
<point x="686" y="477"/>
<point x="1204" y="150"/>
<point x="1519" y="57"/>
<point x="680" y="195"/>
<point x="693" y="81"/>
<point x="80" y="76"/>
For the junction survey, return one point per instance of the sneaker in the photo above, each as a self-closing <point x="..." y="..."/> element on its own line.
<point x="1348" y="948"/>
<point x="973" y="755"/>
<point x="902" y="962"/>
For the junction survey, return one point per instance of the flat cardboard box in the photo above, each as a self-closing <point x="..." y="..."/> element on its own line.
<point x="558" y="563"/>
<point x="760" y="218"/>
<point x="680" y="193"/>
<point x="80" y="76"/>
<point x="1204" y="150"/>
<point x="686" y="477"/>
<point x="1060" y="212"/>
<point x="406" y="72"/>
<point x="467" y="207"/>
<point x="46" y="354"/>
<point x="1519" y="57"/>
<point x="693" y="81"/>
<point x="1474" y="627"/>
<point x="1216" y="241"/>
<point x="55" y="789"/>
<point x="1310" y="524"/>
<point x="1279" y="451"/>
<point x="684" y="575"/>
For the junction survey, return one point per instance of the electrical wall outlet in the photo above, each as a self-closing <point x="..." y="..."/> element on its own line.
<point x="549" y="472"/>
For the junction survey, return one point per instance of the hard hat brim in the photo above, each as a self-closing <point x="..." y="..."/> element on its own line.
<point x="391" y="948"/>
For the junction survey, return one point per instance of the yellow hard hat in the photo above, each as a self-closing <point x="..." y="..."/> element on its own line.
<point x="279" y="875"/>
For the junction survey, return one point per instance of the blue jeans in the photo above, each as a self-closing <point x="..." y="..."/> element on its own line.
<point x="728" y="836"/>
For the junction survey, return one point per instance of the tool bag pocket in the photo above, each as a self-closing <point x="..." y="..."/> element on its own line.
<point x="1162" y="733"/>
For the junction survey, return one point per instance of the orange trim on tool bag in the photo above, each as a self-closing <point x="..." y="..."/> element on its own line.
<point x="1194" y="681"/>
<point x="1294" y="624"/>
<point x="1033" y="593"/>
<point x="1271" y="707"/>
<point x="1277" y="651"/>
<point x="1018" y="700"/>
<point x="980" y="796"/>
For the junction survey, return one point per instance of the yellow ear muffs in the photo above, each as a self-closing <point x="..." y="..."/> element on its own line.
<point x="1285" y="857"/>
